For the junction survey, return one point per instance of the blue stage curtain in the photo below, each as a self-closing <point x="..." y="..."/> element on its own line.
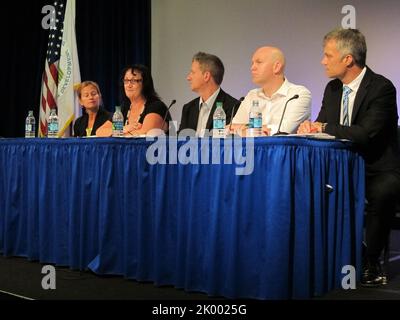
<point x="284" y="231"/>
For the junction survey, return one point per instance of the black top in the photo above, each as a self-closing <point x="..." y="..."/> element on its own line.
<point x="156" y="106"/>
<point x="82" y="122"/>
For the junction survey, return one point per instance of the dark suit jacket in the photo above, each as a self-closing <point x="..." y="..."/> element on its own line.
<point x="373" y="121"/>
<point x="82" y="122"/>
<point x="190" y="111"/>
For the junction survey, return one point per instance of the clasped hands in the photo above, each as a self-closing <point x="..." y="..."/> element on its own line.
<point x="131" y="129"/>
<point x="309" y="127"/>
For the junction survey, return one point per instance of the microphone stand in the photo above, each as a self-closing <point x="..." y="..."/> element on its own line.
<point x="278" y="132"/>
<point x="233" y="111"/>
<point x="166" y="114"/>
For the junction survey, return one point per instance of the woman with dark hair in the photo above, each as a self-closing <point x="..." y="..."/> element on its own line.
<point x="94" y="116"/>
<point x="142" y="108"/>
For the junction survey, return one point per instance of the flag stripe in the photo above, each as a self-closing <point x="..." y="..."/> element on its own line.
<point x="53" y="72"/>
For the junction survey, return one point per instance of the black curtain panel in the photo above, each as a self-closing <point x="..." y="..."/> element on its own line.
<point x="109" y="35"/>
<point x="23" y="52"/>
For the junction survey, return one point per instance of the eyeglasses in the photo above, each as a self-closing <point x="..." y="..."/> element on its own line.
<point x="132" y="81"/>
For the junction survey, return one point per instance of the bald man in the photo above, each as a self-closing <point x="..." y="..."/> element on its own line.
<point x="267" y="71"/>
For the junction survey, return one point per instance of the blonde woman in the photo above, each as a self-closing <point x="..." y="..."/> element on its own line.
<point x="94" y="116"/>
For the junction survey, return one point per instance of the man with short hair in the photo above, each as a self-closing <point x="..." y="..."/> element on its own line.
<point x="267" y="70"/>
<point x="205" y="78"/>
<point x="360" y="105"/>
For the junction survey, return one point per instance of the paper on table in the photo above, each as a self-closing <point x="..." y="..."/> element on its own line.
<point x="315" y="135"/>
<point x="135" y="136"/>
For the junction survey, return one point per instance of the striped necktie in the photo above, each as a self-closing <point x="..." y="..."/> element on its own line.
<point x="346" y="92"/>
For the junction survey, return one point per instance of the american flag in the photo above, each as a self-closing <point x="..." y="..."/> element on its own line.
<point x="61" y="70"/>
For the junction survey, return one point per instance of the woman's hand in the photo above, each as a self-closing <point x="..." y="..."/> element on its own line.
<point x="105" y="130"/>
<point x="131" y="128"/>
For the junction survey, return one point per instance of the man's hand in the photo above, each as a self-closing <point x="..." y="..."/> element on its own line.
<point x="239" y="129"/>
<point x="316" y="127"/>
<point x="304" y="127"/>
<point x="309" y="127"/>
<point x="266" y="131"/>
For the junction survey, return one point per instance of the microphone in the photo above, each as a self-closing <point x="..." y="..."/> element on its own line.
<point x="296" y="96"/>
<point x="166" y="113"/>
<point x="233" y="111"/>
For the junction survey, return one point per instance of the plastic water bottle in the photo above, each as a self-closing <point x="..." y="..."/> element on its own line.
<point x="118" y="123"/>
<point x="52" y="131"/>
<point x="255" y="120"/>
<point x="30" y="125"/>
<point x="219" y="120"/>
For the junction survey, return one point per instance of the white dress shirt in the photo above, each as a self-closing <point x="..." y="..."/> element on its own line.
<point x="204" y="112"/>
<point x="297" y="110"/>
<point x="354" y="85"/>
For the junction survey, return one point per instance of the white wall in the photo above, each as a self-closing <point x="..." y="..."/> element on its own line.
<point x="233" y="29"/>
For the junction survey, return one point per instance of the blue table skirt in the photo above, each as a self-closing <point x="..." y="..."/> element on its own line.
<point x="277" y="233"/>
